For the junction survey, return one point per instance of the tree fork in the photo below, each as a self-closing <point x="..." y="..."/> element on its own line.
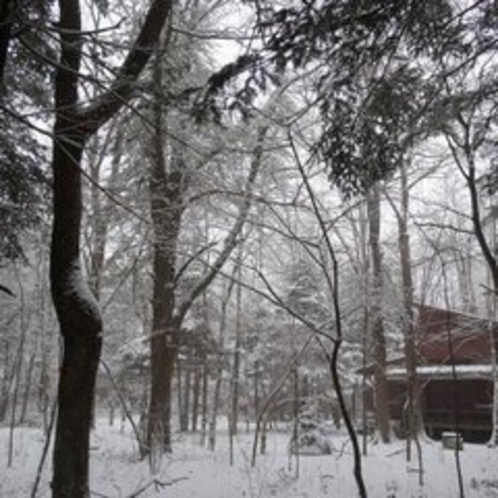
<point x="78" y="314"/>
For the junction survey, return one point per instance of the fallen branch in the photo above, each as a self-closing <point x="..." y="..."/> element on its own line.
<point x="158" y="486"/>
<point x="155" y="482"/>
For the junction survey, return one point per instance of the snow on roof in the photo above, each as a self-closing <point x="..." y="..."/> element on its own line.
<point x="444" y="372"/>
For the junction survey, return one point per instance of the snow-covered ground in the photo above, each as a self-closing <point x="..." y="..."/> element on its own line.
<point x="194" y="472"/>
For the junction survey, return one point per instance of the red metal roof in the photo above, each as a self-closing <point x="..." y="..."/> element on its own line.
<point x="447" y="337"/>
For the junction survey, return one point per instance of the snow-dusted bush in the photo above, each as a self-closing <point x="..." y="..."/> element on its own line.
<point x="312" y="436"/>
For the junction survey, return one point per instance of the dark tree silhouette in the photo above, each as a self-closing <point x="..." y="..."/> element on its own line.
<point x="77" y="311"/>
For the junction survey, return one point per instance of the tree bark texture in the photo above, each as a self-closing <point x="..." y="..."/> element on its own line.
<point x="235" y="380"/>
<point x="166" y="179"/>
<point x="78" y="314"/>
<point x="381" y="393"/>
<point x="204" y="398"/>
<point x="413" y="386"/>
<point x="7" y="379"/>
<point x="196" y="388"/>
<point x="79" y="319"/>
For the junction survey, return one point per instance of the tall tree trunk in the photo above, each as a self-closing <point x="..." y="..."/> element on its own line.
<point x="27" y="388"/>
<point x="44" y="386"/>
<point x="77" y="311"/>
<point x="235" y="381"/>
<point x="257" y="374"/>
<point x="377" y="322"/>
<point x="44" y="340"/>
<point x="7" y="379"/>
<point x="413" y="388"/>
<point x="80" y="326"/>
<point x="204" y="397"/>
<point x="219" y="366"/>
<point x="187" y="399"/>
<point x="165" y="185"/>
<point x="166" y="216"/>
<point x="180" y="395"/>
<point x="18" y="368"/>
<point x="78" y="315"/>
<point x="196" y="388"/>
<point x="295" y="407"/>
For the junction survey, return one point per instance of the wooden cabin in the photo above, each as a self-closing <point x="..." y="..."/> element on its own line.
<point x="455" y="373"/>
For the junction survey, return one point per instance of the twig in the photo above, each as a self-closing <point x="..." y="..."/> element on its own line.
<point x="141" y="447"/>
<point x="157" y="484"/>
<point x="45" y="451"/>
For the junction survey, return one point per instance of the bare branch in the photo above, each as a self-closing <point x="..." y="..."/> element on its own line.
<point x="108" y="104"/>
<point x="232" y="238"/>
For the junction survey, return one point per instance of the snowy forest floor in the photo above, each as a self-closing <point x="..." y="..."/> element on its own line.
<point x="194" y="472"/>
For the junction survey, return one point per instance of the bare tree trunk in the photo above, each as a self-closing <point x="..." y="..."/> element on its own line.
<point x="163" y="358"/>
<point x="166" y="194"/>
<point x="219" y="369"/>
<point x="44" y="387"/>
<point x="296" y="405"/>
<point x="187" y="399"/>
<point x="214" y="410"/>
<point x="79" y="317"/>
<point x="377" y="322"/>
<point x="77" y="312"/>
<point x="196" y="390"/>
<point x="42" y="383"/>
<point x="256" y="388"/>
<point x="17" y="383"/>
<point x="366" y="357"/>
<point x="413" y="388"/>
<point x="166" y="183"/>
<point x="27" y="388"/>
<point x="364" y="414"/>
<point x="180" y="395"/>
<point x="204" y="399"/>
<point x="235" y="382"/>
<point x="264" y="432"/>
<point x="9" y="372"/>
